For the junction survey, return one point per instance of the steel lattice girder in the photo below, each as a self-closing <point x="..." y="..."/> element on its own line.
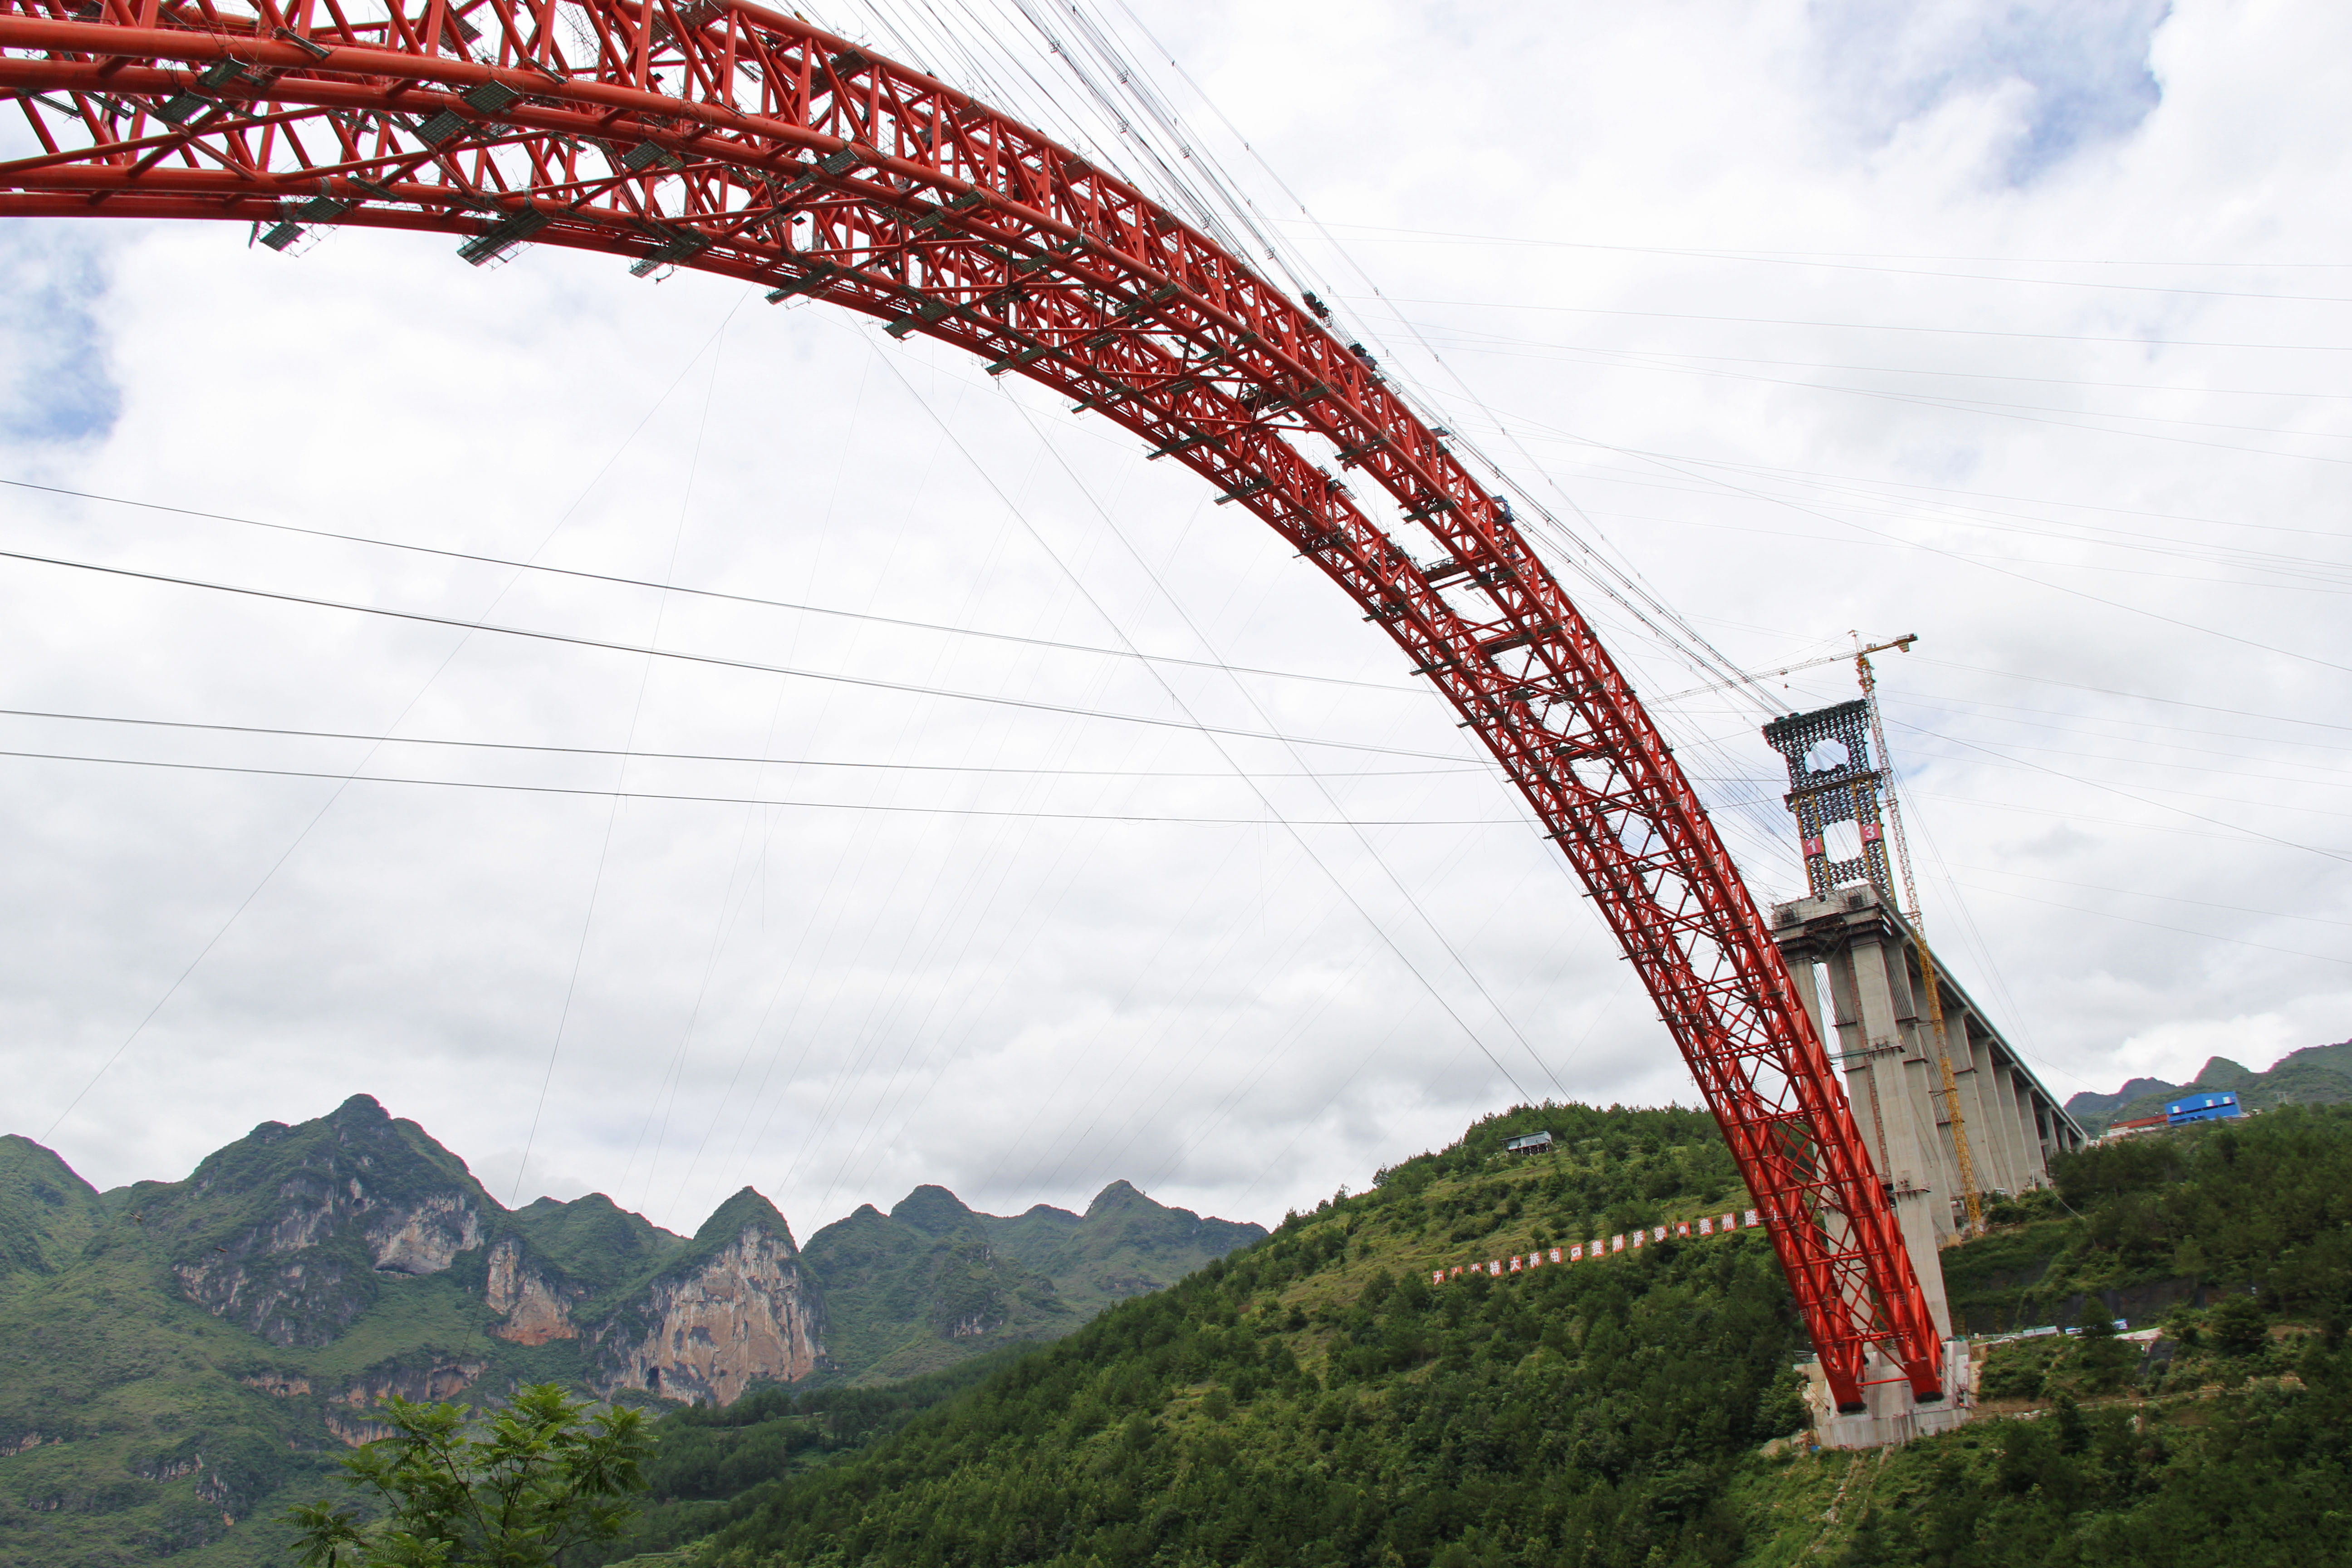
<point x="734" y="140"/>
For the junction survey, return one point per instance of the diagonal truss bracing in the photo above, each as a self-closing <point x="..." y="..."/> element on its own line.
<point x="734" y="140"/>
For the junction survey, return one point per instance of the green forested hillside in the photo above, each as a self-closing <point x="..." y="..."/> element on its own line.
<point x="2244" y="1462"/>
<point x="180" y="1361"/>
<point x="2318" y="1075"/>
<point x="46" y="1212"/>
<point x="1314" y="1399"/>
<point x="2146" y="1223"/>
<point x="171" y="1376"/>
<point x="2228" y="1441"/>
<point x="933" y="1282"/>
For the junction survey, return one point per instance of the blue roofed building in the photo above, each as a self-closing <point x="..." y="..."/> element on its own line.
<point x="2213" y="1107"/>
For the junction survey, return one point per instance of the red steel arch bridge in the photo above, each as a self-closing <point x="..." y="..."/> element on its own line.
<point x="723" y="137"/>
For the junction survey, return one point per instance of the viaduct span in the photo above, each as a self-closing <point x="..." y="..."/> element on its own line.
<point x="724" y="137"/>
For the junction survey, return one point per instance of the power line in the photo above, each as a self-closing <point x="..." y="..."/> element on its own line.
<point x="617" y="581"/>
<point x="2140" y="893"/>
<point x="2111" y="789"/>
<point x="1873" y="326"/>
<point x="2136" y="696"/>
<point x="2157" y="925"/>
<point x="752" y="666"/>
<point x="760" y="800"/>
<point x="1767" y="258"/>
<point x="706" y="756"/>
<point x="1673" y="464"/>
<point x="1337" y="886"/>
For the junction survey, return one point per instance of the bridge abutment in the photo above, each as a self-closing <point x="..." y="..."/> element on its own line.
<point x="1890" y="1415"/>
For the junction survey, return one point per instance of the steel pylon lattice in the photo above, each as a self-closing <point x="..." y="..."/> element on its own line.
<point x="738" y="141"/>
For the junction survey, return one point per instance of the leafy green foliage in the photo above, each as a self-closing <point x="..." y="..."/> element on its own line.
<point x="705" y="1455"/>
<point x="2264" y="1204"/>
<point x="1314" y="1399"/>
<point x="2254" y="1478"/>
<point x="2227" y="1440"/>
<point x="46" y="1212"/>
<point x="515" y="1489"/>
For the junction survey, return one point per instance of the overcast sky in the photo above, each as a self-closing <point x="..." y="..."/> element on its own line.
<point x="2022" y="328"/>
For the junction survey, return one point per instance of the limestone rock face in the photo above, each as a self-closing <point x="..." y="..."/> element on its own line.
<point x="536" y="1306"/>
<point x="424" y="1238"/>
<point x="739" y="1309"/>
<point x="284" y="1232"/>
<point x="432" y="1378"/>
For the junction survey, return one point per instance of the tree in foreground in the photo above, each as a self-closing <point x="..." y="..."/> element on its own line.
<point x="515" y="1488"/>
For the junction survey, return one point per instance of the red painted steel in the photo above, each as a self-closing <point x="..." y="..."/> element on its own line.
<point x="735" y="139"/>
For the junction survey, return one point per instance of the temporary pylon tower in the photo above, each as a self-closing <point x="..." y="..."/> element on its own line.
<point x="742" y="142"/>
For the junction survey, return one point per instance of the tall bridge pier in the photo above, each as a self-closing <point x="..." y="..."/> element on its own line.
<point x="1861" y="953"/>
<point x="1861" y="973"/>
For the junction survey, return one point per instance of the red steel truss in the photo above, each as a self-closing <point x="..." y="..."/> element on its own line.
<point x="720" y="136"/>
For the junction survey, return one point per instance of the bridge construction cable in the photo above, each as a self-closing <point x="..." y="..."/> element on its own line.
<point x="1614" y="582"/>
<point x="1463" y="768"/>
<point x="1674" y="465"/>
<point x="713" y="660"/>
<point x="1743" y="817"/>
<point x="1102" y="612"/>
<point x="1875" y="327"/>
<point x="321" y="814"/>
<point x="1904" y="493"/>
<point x="2142" y="800"/>
<point x="583" y="791"/>
<point x="1475" y="340"/>
<point x="2235" y="712"/>
<point x="2158" y="925"/>
<point x="1619" y="583"/>
<point x="628" y="744"/>
<point x="1516" y="347"/>
<point x="1378" y="931"/>
<point x="2332" y="775"/>
<point x="1832" y="262"/>
<point x="752" y="600"/>
<point x="1412" y="902"/>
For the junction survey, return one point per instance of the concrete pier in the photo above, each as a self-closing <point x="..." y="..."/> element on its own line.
<point x="1856" y="965"/>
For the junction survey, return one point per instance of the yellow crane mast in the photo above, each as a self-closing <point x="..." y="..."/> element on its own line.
<point x="1967" y="1172"/>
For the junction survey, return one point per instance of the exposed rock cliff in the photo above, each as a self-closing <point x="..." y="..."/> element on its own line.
<point x="420" y="1379"/>
<point x="534" y="1303"/>
<point x="735" y="1310"/>
<point x="352" y="1258"/>
<point x="284" y="1232"/>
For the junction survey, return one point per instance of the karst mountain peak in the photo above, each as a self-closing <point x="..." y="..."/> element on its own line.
<point x="303" y="1272"/>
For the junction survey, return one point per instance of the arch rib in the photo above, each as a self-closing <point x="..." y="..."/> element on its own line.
<point x="728" y="138"/>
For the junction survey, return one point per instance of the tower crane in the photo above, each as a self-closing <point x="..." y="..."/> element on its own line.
<point x="1909" y="904"/>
